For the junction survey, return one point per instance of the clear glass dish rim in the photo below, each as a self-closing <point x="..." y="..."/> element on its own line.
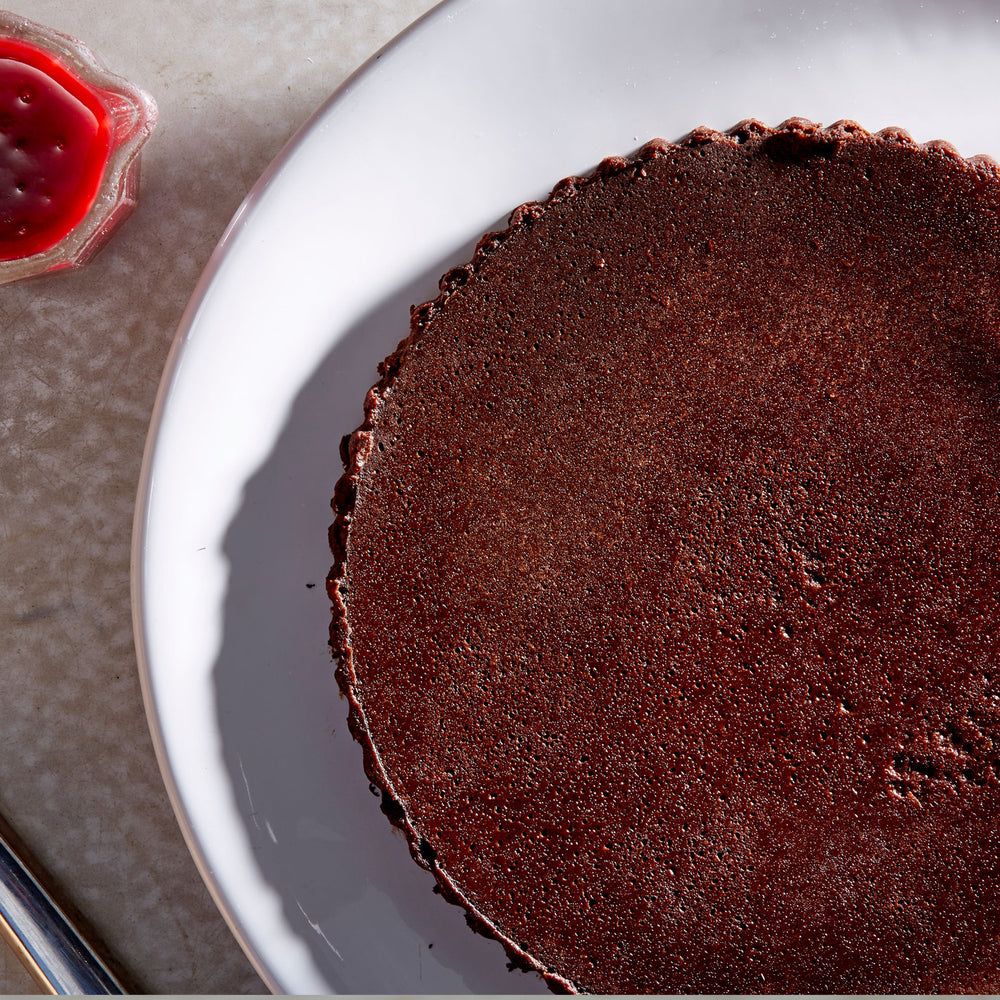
<point x="133" y="113"/>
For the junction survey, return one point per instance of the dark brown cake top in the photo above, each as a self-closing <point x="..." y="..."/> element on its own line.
<point x="666" y="567"/>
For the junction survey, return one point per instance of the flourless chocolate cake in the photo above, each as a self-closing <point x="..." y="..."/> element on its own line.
<point x="666" y="571"/>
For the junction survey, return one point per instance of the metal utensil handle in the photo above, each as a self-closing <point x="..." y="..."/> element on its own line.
<point x="45" y="940"/>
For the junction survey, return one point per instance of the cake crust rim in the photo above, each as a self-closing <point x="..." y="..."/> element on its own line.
<point x="356" y="446"/>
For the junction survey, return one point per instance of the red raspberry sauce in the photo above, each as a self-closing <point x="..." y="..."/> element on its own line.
<point x="55" y="140"/>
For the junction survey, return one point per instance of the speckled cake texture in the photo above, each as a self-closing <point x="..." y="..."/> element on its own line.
<point x="665" y="571"/>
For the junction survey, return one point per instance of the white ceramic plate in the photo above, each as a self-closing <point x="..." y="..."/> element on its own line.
<point x="478" y="107"/>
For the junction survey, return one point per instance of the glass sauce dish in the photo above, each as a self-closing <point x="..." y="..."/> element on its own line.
<point x="70" y="136"/>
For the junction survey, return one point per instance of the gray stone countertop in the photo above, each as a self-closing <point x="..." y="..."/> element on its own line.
<point x="82" y="355"/>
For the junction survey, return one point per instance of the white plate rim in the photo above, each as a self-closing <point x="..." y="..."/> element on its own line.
<point x="176" y="356"/>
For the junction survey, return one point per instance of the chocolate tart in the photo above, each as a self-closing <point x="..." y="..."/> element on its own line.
<point x="665" y="571"/>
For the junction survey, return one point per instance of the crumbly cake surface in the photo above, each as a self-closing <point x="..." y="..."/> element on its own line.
<point x="665" y="571"/>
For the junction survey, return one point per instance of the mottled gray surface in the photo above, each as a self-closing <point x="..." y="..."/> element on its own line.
<point x="82" y="354"/>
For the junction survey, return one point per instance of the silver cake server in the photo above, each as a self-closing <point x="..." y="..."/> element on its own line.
<point x="41" y="933"/>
